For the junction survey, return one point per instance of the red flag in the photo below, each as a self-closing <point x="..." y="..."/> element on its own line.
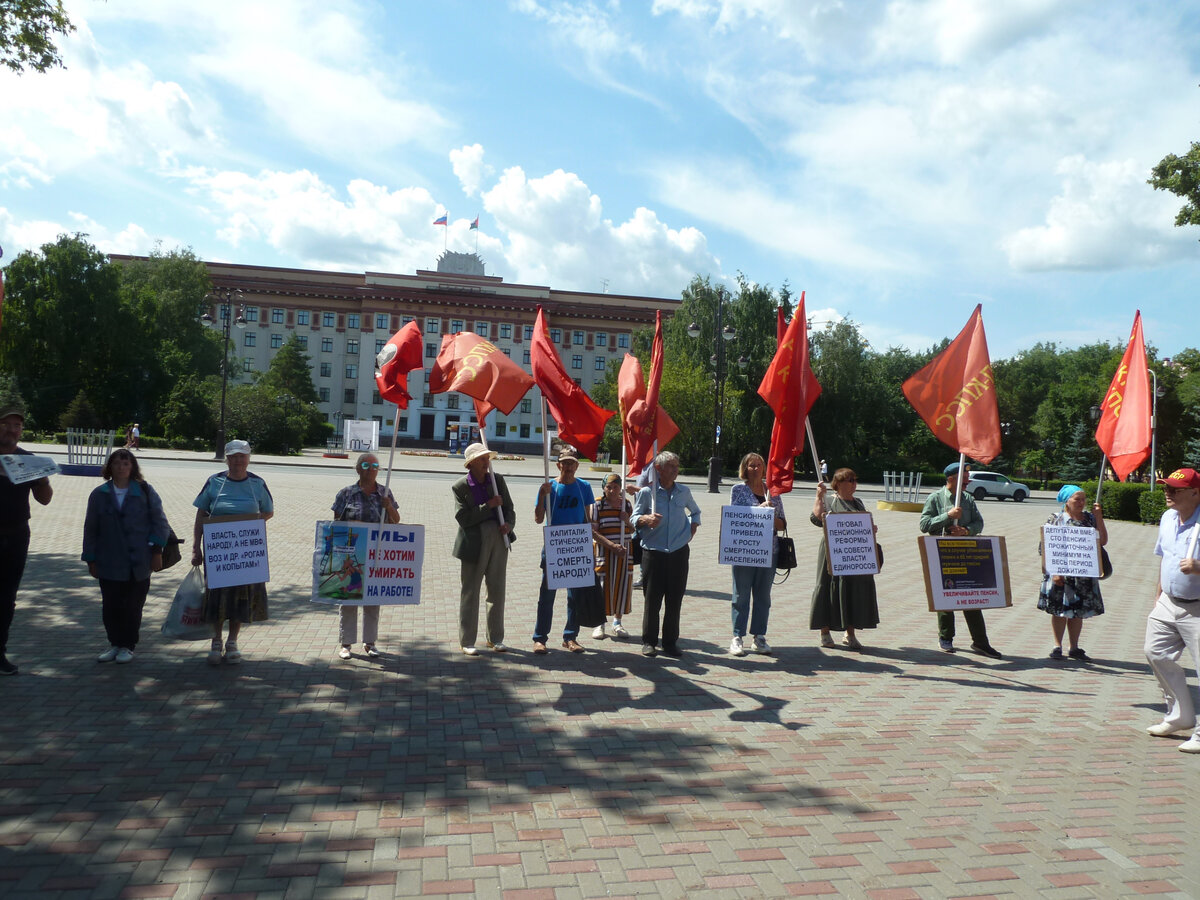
<point x="399" y="356"/>
<point x="956" y="396"/>
<point x="580" y="421"/>
<point x="639" y="439"/>
<point x="790" y="389"/>
<point x="475" y="367"/>
<point x="1124" y="429"/>
<point x="780" y="325"/>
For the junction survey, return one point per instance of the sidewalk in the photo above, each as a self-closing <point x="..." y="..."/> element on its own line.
<point x="899" y="772"/>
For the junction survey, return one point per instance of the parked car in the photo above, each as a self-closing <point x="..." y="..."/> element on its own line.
<point x="993" y="484"/>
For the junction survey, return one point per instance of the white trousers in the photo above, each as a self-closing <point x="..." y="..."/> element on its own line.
<point x="348" y="626"/>
<point x="1171" y="628"/>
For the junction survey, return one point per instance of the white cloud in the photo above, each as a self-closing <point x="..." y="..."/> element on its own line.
<point x="470" y="168"/>
<point x="954" y="31"/>
<point x="31" y="234"/>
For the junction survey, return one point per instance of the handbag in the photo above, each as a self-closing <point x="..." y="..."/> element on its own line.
<point x="1106" y="567"/>
<point x="785" y="552"/>
<point x="171" y="553"/>
<point x="636" y="548"/>
<point x="879" y="555"/>
<point x="185" y="618"/>
<point x="589" y="605"/>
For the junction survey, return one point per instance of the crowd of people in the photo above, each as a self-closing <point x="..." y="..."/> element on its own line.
<point x="126" y="532"/>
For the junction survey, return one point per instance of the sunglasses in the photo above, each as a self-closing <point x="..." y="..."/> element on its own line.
<point x="1171" y="491"/>
<point x="365" y="466"/>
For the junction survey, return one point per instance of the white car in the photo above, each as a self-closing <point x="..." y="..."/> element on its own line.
<point x="993" y="484"/>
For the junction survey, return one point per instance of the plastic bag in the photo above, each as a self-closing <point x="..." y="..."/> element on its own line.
<point x="185" y="619"/>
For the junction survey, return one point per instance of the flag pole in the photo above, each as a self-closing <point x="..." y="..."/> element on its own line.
<point x="958" y="486"/>
<point x="654" y="479"/>
<point x="623" y="501"/>
<point x="546" y="465"/>
<point x="1100" y="481"/>
<point x="492" y="476"/>
<point x="387" y="481"/>
<point x="812" y="445"/>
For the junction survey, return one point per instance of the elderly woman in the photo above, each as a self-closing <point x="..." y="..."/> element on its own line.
<point x="752" y="584"/>
<point x="846" y="602"/>
<point x="364" y="501"/>
<point x="1067" y="599"/>
<point x="124" y="532"/>
<point x="614" y="561"/>
<point x="234" y="492"/>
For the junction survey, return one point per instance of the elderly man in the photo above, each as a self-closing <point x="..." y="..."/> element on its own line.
<point x="665" y="535"/>
<point x="484" y="517"/>
<point x="1174" y="623"/>
<point x="568" y="501"/>
<point x="941" y="516"/>
<point x="14" y="524"/>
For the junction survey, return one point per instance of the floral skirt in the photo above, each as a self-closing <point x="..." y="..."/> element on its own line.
<point x="244" y="603"/>
<point x="1077" y="598"/>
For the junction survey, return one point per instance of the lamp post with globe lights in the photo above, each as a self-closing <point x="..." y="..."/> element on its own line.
<point x="225" y="298"/>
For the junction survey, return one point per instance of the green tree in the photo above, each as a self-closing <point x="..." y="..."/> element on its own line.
<point x="27" y="33"/>
<point x="1081" y="457"/>
<point x="1181" y="176"/>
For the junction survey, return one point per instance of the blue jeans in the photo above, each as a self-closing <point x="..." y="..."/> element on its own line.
<point x="751" y="581"/>
<point x="545" y="612"/>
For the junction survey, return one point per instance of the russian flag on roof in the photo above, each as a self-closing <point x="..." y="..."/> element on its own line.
<point x="440" y="220"/>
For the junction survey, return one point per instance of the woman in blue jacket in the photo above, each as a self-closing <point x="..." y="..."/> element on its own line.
<point x="124" y="533"/>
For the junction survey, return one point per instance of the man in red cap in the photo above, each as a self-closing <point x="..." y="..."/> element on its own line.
<point x="1174" y="624"/>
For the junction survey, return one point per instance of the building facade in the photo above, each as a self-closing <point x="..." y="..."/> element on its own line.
<point x="344" y="319"/>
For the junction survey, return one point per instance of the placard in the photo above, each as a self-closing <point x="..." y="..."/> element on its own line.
<point x="747" y="534"/>
<point x="969" y="572"/>
<point x="23" y="467"/>
<point x="235" y="551"/>
<point x="570" y="557"/>
<point x="361" y="435"/>
<point x="368" y="564"/>
<point x="1071" y="551"/>
<point x="850" y="544"/>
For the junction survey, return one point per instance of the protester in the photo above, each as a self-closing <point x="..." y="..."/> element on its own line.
<point x="614" y="536"/>
<point x="124" y="532"/>
<point x="1070" y="600"/>
<point x="485" y="515"/>
<point x="234" y="492"/>
<point x="752" y="584"/>
<point x="364" y="501"/>
<point x="569" y="501"/>
<point x="1174" y="623"/>
<point x="665" y="535"/>
<point x="14" y="523"/>
<point x="845" y="602"/>
<point x="941" y="516"/>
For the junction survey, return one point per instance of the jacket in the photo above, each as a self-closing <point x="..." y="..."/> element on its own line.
<point x="118" y="541"/>
<point x="471" y="517"/>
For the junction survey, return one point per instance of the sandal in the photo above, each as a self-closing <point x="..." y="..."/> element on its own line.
<point x="827" y="640"/>
<point x="214" y="654"/>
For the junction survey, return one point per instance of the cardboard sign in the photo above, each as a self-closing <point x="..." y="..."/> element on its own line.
<point x="570" y="557"/>
<point x="235" y="551"/>
<point x="368" y="564"/>
<point x="850" y="544"/>
<point x="965" y="572"/>
<point x="1071" y="551"/>
<point x="21" y="468"/>
<point x="747" y="536"/>
<point x="361" y="435"/>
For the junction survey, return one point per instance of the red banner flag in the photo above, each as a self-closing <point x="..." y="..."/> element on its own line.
<point x="790" y="389"/>
<point x="478" y="368"/>
<point x="399" y="356"/>
<point x="956" y="396"/>
<point x="639" y="439"/>
<point x="580" y="421"/>
<point x="1124" y="430"/>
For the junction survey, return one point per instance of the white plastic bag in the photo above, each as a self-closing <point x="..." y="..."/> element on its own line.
<point x="185" y="619"/>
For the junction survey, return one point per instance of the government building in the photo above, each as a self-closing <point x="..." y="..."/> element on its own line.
<point x="343" y="319"/>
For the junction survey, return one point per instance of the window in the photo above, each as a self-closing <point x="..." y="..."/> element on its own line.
<point x="577" y="338"/>
<point x="578" y="382"/>
<point x="250" y="339"/>
<point x="456" y="325"/>
<point x="381" y="320"/>
<point x="352" y="371"/>
<point x="427" y="400"/>
<point x="601" y="339"/>
<point x="326" y="345"/>
<point x="403" y="426"/>
<point x="277" y="317"/>
<point x="623" y="341"/>
<point x="506" y="331"/>
<point x="601" y="364"/>
<point x="352" y="320"/>
<point x="352" y="347"/>
<point x="379" y="345"/>
<point x="224" y="311"/>
<point x="501" y="429"/>
<point x="303" y="339"/>
<point x="251" y="313"/>
<point x="433" y="325"/>
<point x="323" y="393"/>
<point x="528" y="332"/>
<point x="328" y="320"/>
<point x="350" y="395"/>
<point x="404" y="320"/>
<point x="276" y="341"/>
<point x="247" y="365"/>
<point x="525" y="356"/>
<point x="326" y="370"/>
<point x="431" y="349"/>
<point x="507" y="351"/>
<point x="524" y="431"/>
<point x="526" y="406"/>
<point x="452" y="401"/>
<point x="302" y="317"/>
<point x="576" y="361"/>
<point x="481" y="329"/>
<point x="556" y="335"/>
<point x="375" y="398"/>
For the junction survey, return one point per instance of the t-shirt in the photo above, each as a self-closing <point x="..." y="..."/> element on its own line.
<point x="14" y="502"/>
<point x="569" y="502"/>
<point x="222" y="496"/>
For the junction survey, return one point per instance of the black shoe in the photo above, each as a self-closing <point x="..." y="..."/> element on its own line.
<point x="649" y="650"/>
<point x="7" y="668"/>
<point x="987" y="650"/>
<point x="1078" y="654"/>
<point x="1056" y="653"/>
<point x="673" y="650"/>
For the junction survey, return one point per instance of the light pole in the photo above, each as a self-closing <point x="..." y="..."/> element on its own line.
<point x="225" y="298"/>
<point x="720" y="336"/>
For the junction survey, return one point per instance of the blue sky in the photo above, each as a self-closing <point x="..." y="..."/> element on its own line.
<point x="899" y="161"/>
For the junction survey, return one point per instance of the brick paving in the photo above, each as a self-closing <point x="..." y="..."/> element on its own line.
<point x="898" y="772"/>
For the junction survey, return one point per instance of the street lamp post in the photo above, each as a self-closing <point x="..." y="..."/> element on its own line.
<point x="721" y="335"/>
<point x="224" y="298"/>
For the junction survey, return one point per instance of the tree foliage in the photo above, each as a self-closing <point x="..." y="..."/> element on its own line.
<point x="27" y="33"/>
<point x="1181" y="176"/>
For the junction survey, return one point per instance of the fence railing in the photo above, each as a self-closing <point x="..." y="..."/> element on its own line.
<point x="902" y="487"/>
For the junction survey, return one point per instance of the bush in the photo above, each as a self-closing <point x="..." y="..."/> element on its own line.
<point x="1152" y="505"/>
<point x="1120" y="499"/>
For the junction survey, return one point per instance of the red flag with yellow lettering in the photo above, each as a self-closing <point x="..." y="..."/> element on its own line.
<point x="956" y="396"/>
<point x="580" y="421"/>
<point x="790" y="389"/>
<point x="478" y="368"/>
<point x="1124" y="430"/>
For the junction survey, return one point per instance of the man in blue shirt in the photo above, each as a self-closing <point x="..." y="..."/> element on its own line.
<point x="665" y="534"/>
<point x="1174" y="623"/>
<point x="568" y="501"/>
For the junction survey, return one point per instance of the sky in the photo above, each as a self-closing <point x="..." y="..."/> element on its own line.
<point x="898" y="161"/>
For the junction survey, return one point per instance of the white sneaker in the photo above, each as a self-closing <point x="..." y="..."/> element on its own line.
<point x="1191" y="745"/>
<point x="470" y="651"/>
<point x="499" y="648"/>
<point x="124" y="655"/>
<point x="619" y="629"/>
<point x="1166" y="729"/>
<point x="214" y="654"/>
<point x="598" y="633"/>
<point x="760" y="645"/>
<point x="344" y="653"/>
<point x="108" y="655"/>
<point x="233" y="655"/>
<point x="736" y="648"/>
